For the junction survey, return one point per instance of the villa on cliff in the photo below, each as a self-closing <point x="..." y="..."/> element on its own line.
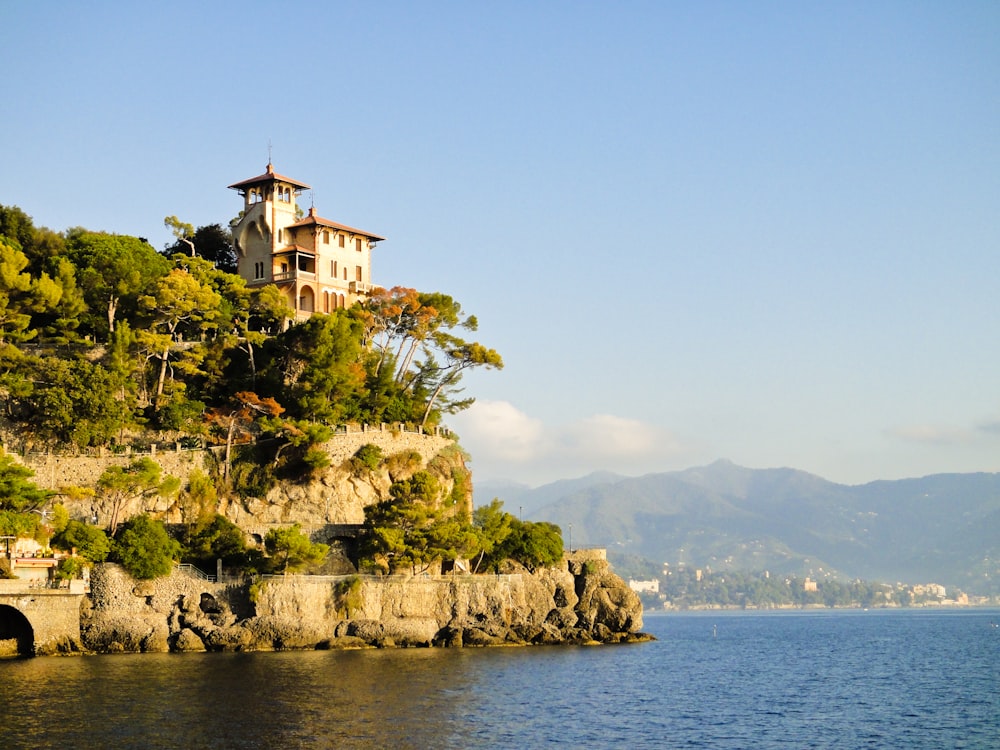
<point x="319" y="264"/>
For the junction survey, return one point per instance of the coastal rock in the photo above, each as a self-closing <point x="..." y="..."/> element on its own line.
<point x="577" y="602"/>
<point x="187" y="640"/>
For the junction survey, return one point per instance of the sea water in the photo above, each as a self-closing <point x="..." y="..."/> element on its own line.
<point x="822" y="679"/>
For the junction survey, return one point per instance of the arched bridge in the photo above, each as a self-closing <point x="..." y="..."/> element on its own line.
<point x="38" y="620"/>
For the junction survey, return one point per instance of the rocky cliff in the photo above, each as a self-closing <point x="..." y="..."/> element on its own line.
<point x="335" y="495"/>
<point x="581" y="601"/>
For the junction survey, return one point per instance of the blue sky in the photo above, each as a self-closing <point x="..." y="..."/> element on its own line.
<point x="766" y="232"/>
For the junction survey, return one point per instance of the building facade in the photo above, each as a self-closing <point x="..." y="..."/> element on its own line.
<point x="319" y="264"/>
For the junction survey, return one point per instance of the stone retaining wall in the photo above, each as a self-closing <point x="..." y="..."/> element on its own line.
<point x="53" y="471"/>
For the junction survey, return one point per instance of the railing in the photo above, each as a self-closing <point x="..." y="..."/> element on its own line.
<point x="444" y="578"/>
<point x="196" y="444"/>
<point x="194" y="572"/>
<point x="360" y="287"/>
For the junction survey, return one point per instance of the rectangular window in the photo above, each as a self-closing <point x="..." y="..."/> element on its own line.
<point x="345" y="273"/>
<point x="357" y="244"/>
<point x="326" y="236"/>
<point x="279" y="235"/>
<point x="340" y="238"/>
<point x="357" y="272"/>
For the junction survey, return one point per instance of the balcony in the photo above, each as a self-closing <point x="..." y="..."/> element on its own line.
<point x="293" y="274"/>
<point x="359" y="287"/>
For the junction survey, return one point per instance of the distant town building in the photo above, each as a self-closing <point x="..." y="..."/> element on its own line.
<point x="319" y="264"/>
<point x="935" y="590"/>
<point x="651" y="586"/>
<point x="809" y="585"/>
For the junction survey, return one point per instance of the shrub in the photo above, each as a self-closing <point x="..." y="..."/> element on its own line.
<point x="367" y="458"/>
<point x="292" y="549"/>
<point x="90" y="542"/>
<point x="145" y="549"/>
<point x="316" y="459"/>
<point x="69" y="568"/>
<point x="402" y="465"/>
<point x="347" y="595"/>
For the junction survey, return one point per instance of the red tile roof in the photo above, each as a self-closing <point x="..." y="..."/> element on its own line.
<point x="269" y="176"/>
<point x="313" y="220"/>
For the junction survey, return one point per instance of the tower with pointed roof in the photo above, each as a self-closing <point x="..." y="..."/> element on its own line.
<point x="320" y="265"/>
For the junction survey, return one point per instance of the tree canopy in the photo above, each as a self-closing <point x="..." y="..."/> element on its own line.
<point x="145" y="549"/>
<point x="102" y="338"/>
<point x="292" y="549"/>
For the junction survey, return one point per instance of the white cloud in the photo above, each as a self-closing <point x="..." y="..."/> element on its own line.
<point x="930" y="434"/>
<point x="500" y="429"/>
<point x="504" y="442"/>
<point x="608" y="436"/>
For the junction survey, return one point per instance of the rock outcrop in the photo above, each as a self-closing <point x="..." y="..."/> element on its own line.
<point x="335" y="495"/>
<point x="577" y="602"/>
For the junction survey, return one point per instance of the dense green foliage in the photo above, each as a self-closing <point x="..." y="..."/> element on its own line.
<point x="105" y="342"/>
<point x="17" y="492"/>
<point x="292" y="550"/>
<point x="503" y="536"/>
<point x="410" y="530"/>
<point x="219" y="539"/>
<point x="145" y="549"/>
<point x="20" y="499"/>
<point x="102" y="338"/>
<point x="90" y="542"/>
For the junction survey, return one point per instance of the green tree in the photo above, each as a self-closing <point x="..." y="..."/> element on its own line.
<point x="74" y="401"/>
<point x="65" y="307"/>
<point x="38" y="243"/>
<point x="175" y="300"/>
<point x="113" y="271"/>
<point x="17" y="225"/>
<point x="182" y="231"/>
<point x="15" y="297"/>
<point x="292" y="549"/>
<point x="459" y="356"/>
<point x="412" y="528"/>
<point x="145" y="549"/>
<point x="493" y="526"/>
<point x="319" y="366"/>
<point x="22" y="525"/>
<point x="17" y="493"/>
<point x="120" y="485"/>
<point x="90" y="542"/>
<point x="263" y="310"/>
<point x="534" y="545"/>
<point x="211" y="242"/>
<point x="221" y="539"/>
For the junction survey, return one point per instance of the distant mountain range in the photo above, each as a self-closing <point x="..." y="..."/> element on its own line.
<point x="943" y="528"/>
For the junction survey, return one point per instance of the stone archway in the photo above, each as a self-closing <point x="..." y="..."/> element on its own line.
<point x="307" y="300"/>
<point x="17" y="637"/>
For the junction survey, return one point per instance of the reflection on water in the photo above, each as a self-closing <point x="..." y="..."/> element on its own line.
<point x="291" y="699"/>
<point x="915" y="680"/>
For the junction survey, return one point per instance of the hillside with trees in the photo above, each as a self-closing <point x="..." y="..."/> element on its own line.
<point x="108" y="345"/>
<point x="726" y="518"/>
